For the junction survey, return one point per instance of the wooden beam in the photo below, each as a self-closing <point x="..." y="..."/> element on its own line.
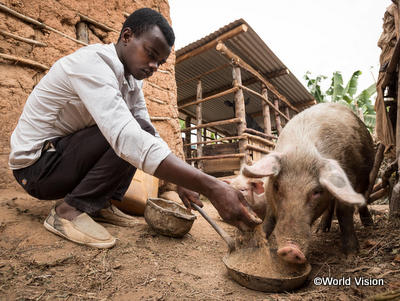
<point x="266" y="100"/>
<point x="232" y="90"/>
<point x="226" y="36"/>
<point x="26" y="40"/>
<point x="217" y="157"/>
<point x="257" y="133"/>
<point x="199" y="120"/>
<point x="257" y="148"/>
<point x="259" y="139"/>
<point x="215" y="123"/>
<point x="277" y="117"/>
<point x="239" y="62"/>
<point x="24" y="61"/>
<point x="97" y="23"/>
<point x="188" y="138"/>
<point x="37" y="23"/>
<point x="82" y="32"/>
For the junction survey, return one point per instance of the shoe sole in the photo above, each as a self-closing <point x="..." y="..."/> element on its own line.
<point x="100" y="245"/>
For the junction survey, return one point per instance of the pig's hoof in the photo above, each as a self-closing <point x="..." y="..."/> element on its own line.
<point x="292" y="254"/>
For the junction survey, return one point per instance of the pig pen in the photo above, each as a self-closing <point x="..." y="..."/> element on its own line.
<point x="37" y="265"/>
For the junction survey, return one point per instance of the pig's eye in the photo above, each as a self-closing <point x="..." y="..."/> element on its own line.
<point x="316" y="193"/>
<point x="276" y="186"/>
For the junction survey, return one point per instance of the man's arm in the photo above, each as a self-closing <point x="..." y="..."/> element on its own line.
<point x="229" y="202"/>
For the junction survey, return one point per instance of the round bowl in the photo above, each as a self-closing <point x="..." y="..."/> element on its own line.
<point x="167" y="217"/>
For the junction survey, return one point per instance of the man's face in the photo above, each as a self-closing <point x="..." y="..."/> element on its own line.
<point x="141" y="56"/>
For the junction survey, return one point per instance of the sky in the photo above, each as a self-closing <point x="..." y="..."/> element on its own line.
<point x="319" y="36"/>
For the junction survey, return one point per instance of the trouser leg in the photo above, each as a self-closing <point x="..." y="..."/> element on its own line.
<point x="84" y="170"/>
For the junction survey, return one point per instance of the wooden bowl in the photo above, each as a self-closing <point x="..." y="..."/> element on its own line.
<point x="167" y="217"/>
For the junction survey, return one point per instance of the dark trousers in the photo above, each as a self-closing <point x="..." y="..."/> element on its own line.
<point x="83" y="169"/>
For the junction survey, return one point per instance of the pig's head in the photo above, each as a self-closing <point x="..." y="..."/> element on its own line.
<point x="298" y="189"/>
<point x="253" y="192"/>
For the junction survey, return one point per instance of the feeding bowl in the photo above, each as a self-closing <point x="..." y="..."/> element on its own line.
<point x="167" y="217"/>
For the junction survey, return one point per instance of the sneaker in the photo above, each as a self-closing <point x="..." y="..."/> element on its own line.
<point x="82" y="230"/>
<point x="113" y="215"/>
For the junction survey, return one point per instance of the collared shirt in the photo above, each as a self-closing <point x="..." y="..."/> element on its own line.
<point x="85" y="88"/>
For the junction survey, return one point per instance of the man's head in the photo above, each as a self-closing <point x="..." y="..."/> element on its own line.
<point x="145" y="42"/>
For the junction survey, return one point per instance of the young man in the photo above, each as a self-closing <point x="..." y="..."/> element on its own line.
<point x="85" y="129"/>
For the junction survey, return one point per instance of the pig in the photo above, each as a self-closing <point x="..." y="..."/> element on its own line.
<point x="323" y="155"/>
<point x="253" y="192"/>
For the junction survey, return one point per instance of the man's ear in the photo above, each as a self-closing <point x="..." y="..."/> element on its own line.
<point x="126" y="34"/>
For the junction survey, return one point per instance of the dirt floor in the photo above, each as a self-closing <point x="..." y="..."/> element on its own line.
<point x="38" y="265"/>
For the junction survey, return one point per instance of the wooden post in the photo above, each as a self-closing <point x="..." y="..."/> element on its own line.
<point x="82" y="32"/>
<point x="240" y="113"/>
<point x="199" y="120"/>
<point x="188" y="137"/>
<point x="277" y="117"/>
<point x="266" y="112"/>
<point x="287" y="112"/>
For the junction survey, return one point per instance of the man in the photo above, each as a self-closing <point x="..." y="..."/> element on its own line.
<point x="85" y="129"/>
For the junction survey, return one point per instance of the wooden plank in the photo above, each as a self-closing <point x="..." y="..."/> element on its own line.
<point x="257" y="148"/>
<point x="215" y="141"/>
<point x="277" y="117"/>
<point x="257" y="133"/>
<point x="239" y="62"/>
<point x="221" y="165"/>
<point x="266" y="112"/>
<point x="259" y="139"/>
<point x="199" y="119"/>
<point x="230" y="34"/>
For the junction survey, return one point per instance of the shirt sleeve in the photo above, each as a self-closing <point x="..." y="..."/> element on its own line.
<point x="96" y="85"/>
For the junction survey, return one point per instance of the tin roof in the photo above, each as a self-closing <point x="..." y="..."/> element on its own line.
<point x="252" y="50"/>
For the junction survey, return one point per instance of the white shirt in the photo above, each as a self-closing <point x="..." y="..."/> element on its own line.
<point x="85" y="88"/>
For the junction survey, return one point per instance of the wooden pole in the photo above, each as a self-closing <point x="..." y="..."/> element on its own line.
<point x="160" y="118"/>
<point x="24" y="61"/>
<point x="215" y="140"/>
<point x="26" y="40"/>
<point x="257" y="133"/>
<point x="230" y="34"/>
<point x="82" y="32"/>
<point x="97" y="23"/>
<point x="188" y="137"/>
<point x="265" y="99"/>
<point x="214" y="123"/>
<point x="287" y="113"/>
<point x="266" y="112"/>
<point x="37" y="23"/>
<point x="240" y="110"/>
<point x="259" y="139"/>
<point x="239" y="62"/>
<point x="234" y="89"/>
<point x="277" y="117"/>
<point x="199" y="119"/>
<point x="257" y="148"/>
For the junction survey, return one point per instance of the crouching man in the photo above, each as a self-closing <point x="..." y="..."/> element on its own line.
<point x="85" y="129"/>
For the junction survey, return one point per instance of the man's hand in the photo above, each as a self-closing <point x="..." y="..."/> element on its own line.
<point x="187" y="196"/>
<point x="233" y="208"/>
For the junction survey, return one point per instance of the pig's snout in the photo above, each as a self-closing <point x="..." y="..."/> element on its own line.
<point x="292" y="254"/>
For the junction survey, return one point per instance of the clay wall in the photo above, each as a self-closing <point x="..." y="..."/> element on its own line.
<point x="17" y="79"/>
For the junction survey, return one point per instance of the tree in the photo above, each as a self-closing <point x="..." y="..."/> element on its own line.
<point x="360" y="104"/>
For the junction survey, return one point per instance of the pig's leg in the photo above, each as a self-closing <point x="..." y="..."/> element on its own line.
<point x="365" y="216"/>
<point x="326" y="220"/>
<point x="344" y="215"/>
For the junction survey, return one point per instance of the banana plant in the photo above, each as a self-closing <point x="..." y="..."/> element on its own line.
<point x="360" y="104"/>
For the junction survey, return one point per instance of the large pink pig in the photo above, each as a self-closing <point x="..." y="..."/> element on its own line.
<point x="323" y="155"/>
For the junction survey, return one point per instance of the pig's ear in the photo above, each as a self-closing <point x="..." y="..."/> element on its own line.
<point x="267" y="166"/>
<point x="334" y="179"/>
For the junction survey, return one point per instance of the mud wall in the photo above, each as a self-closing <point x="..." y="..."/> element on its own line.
<point x="17" y="79"/>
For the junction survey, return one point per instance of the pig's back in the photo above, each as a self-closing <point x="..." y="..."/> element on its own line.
<point x="335" y="132"/>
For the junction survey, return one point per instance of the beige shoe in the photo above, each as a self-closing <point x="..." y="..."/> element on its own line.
<point x="82" y="230"/>
<point x="113" y="215"/>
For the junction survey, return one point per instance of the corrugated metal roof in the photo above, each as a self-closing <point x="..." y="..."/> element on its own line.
<point x="251" y="49"/>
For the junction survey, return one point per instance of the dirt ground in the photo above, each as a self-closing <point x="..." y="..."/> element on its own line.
<point x="38" y="265"/>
